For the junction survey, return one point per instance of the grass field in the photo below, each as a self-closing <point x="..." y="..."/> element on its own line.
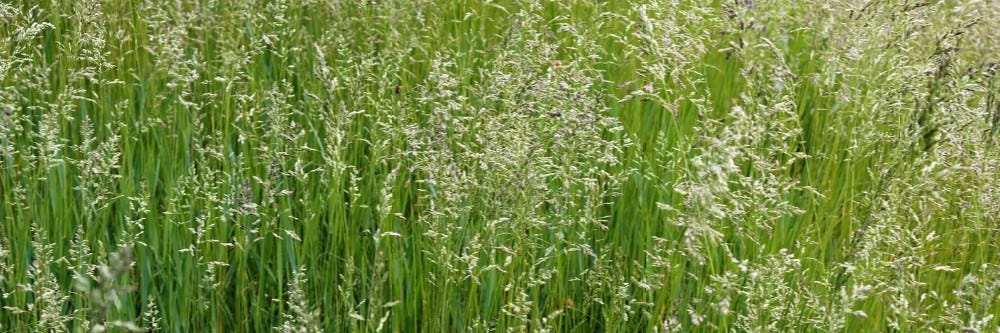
<point x="499" y="166"/>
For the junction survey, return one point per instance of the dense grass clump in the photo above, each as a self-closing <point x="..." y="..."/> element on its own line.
<point x="505" y="165"/>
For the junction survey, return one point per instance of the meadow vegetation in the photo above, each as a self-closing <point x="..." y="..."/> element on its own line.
<point x="499" y="166"/>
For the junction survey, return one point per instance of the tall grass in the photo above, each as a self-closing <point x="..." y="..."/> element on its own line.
<point x="507" y="165"/>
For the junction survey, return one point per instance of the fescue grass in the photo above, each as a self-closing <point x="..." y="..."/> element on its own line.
<point x="507" y="165"/>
